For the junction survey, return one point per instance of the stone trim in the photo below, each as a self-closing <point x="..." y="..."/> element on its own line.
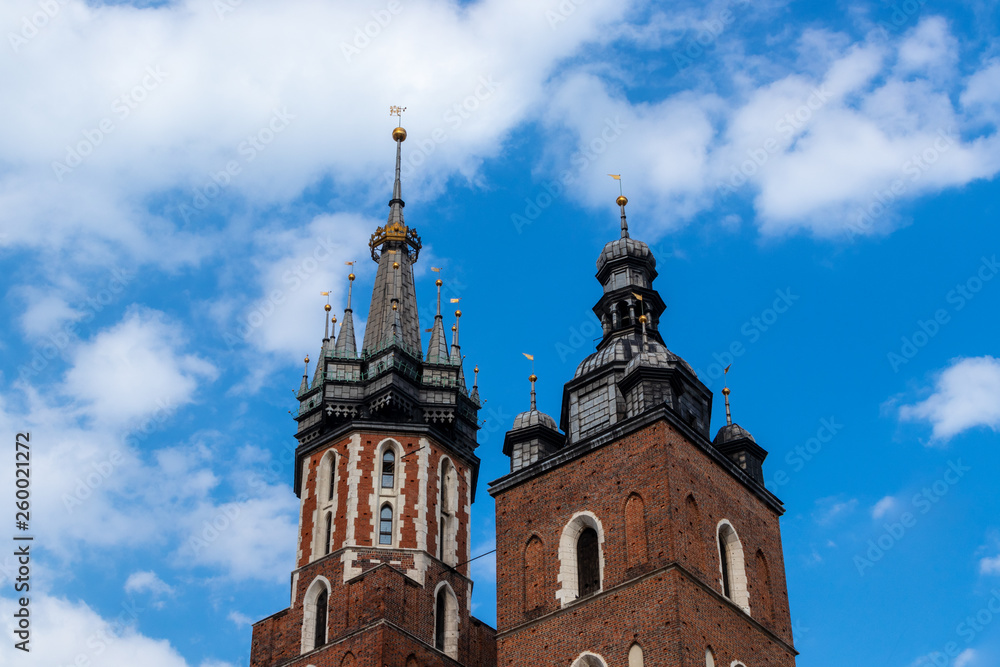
<point x="568" y="575"/>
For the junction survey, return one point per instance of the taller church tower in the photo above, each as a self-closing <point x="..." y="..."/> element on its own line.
<point x="629" y="537"/>
<point x="386" y="472"/>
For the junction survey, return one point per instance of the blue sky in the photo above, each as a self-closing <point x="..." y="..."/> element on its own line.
<point x="180" y="180"/>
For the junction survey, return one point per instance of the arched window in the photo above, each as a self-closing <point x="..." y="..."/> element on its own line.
<point x="447" y="508"/>
<point x="385" y="524"/>
<point x="588" y="562"/>
<point x="321" y="606"/>
<point x="446" y="621"/>
<point x="588" y="659"/>
<point x="762" y="588"/>
<point x="315" y="614"/>
<point x="709" y="658"/>
<point x="388" y="469"/>
<point x="635" y="658"/>
<point x="635" y="531"/>
<point x="534" y="574"/>
<point x="349" y="660"/>
<point x="326" y="505"/>
<point x="581" y="558"/>
<point x="623" y="314"/>
<point x="731" y="566"/>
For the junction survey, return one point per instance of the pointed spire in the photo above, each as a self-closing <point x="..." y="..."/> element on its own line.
<point x="396" y="203"/>
<point x="475" y="384"/>
<point x="456" y="350"/>
<point x="346" y="345"/>
<point x="304" y="387"/>
<point x="326" y="348"/>
<point x="533" y="378"/>
<point x="729" y="416"/>
<point x="437" y="350"/>
<point x="621" y="201"/>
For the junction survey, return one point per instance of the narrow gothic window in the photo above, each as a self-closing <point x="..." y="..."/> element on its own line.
<point x="724" y="557"/>
<point x="635" y="657"/>
<point x="333" y="474"/>
<point x="320" y="633"/>
<point x="329" y="531"/>
<point x="764" y="586"/>
<point x="587" y="562"/>
<point x="439" y="620"/>
<point x="385" y="525"/>
<point x="388" y="469"/>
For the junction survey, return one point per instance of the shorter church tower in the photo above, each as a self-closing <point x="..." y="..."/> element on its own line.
<point x="386" y="472"/>
<point x="629" y="538"/>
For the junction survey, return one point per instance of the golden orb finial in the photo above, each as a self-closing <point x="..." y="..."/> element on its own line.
<point x="327" y="307"/>
<point x="395" y="265"/>
<point x="395" y="305"/>
<point x="476" y="369"/>
<point x="725" y="391"/>
<point x="350" y="277"/>
<point x="334" y="319"/>
<point x="643" y="319"/>
<point x="454" y="328"/>
<point x="532" y="377"/>
<point x="306" y="359"/>
<point x="439" y="282"/>
<point x="622" y="200"/>
<point x="399" y="134"/>
<point x="458" y="313"/>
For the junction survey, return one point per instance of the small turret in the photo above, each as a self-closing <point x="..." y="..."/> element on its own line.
<point x="534" y="436"/>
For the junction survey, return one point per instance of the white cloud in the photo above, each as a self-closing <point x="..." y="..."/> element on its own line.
<point x="147" y="582"/>
<point x="239" y="618"/>
<point x="965" y="658"/>
<point x="966" y="396"/>
<point x="84" y="637"/>
<point x="135" y="370"/>
<point x="832" y="508"/>
<point x="883" y="507"/>
<point x="990" y="565"/>
<point x="195" y="90"/>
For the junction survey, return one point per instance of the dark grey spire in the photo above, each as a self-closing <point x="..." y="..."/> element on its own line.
<point x="456" y="349"/>
<point x="304" y="387"/>
<point x="395" y="247"/>
<point x="346" y="344"/>
<point x="437" y="351"/>
<point x="324" y="350"/>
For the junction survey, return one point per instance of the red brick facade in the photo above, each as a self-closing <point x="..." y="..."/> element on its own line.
<point x="382" y="598"/>
<point x="659" y="499"/>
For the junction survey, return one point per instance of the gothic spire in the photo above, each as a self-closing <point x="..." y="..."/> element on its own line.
<point x="392" y="317"/>
<point x="437" y="351"/>
<point x="456" y="349"/>
<point x="304" y="387"/>
<point x="346" y="345"/>
<point x="326" y="348"/>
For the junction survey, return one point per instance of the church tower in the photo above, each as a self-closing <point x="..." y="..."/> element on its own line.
<point x="386" y="472"/>
<point x="627" y="536"/>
